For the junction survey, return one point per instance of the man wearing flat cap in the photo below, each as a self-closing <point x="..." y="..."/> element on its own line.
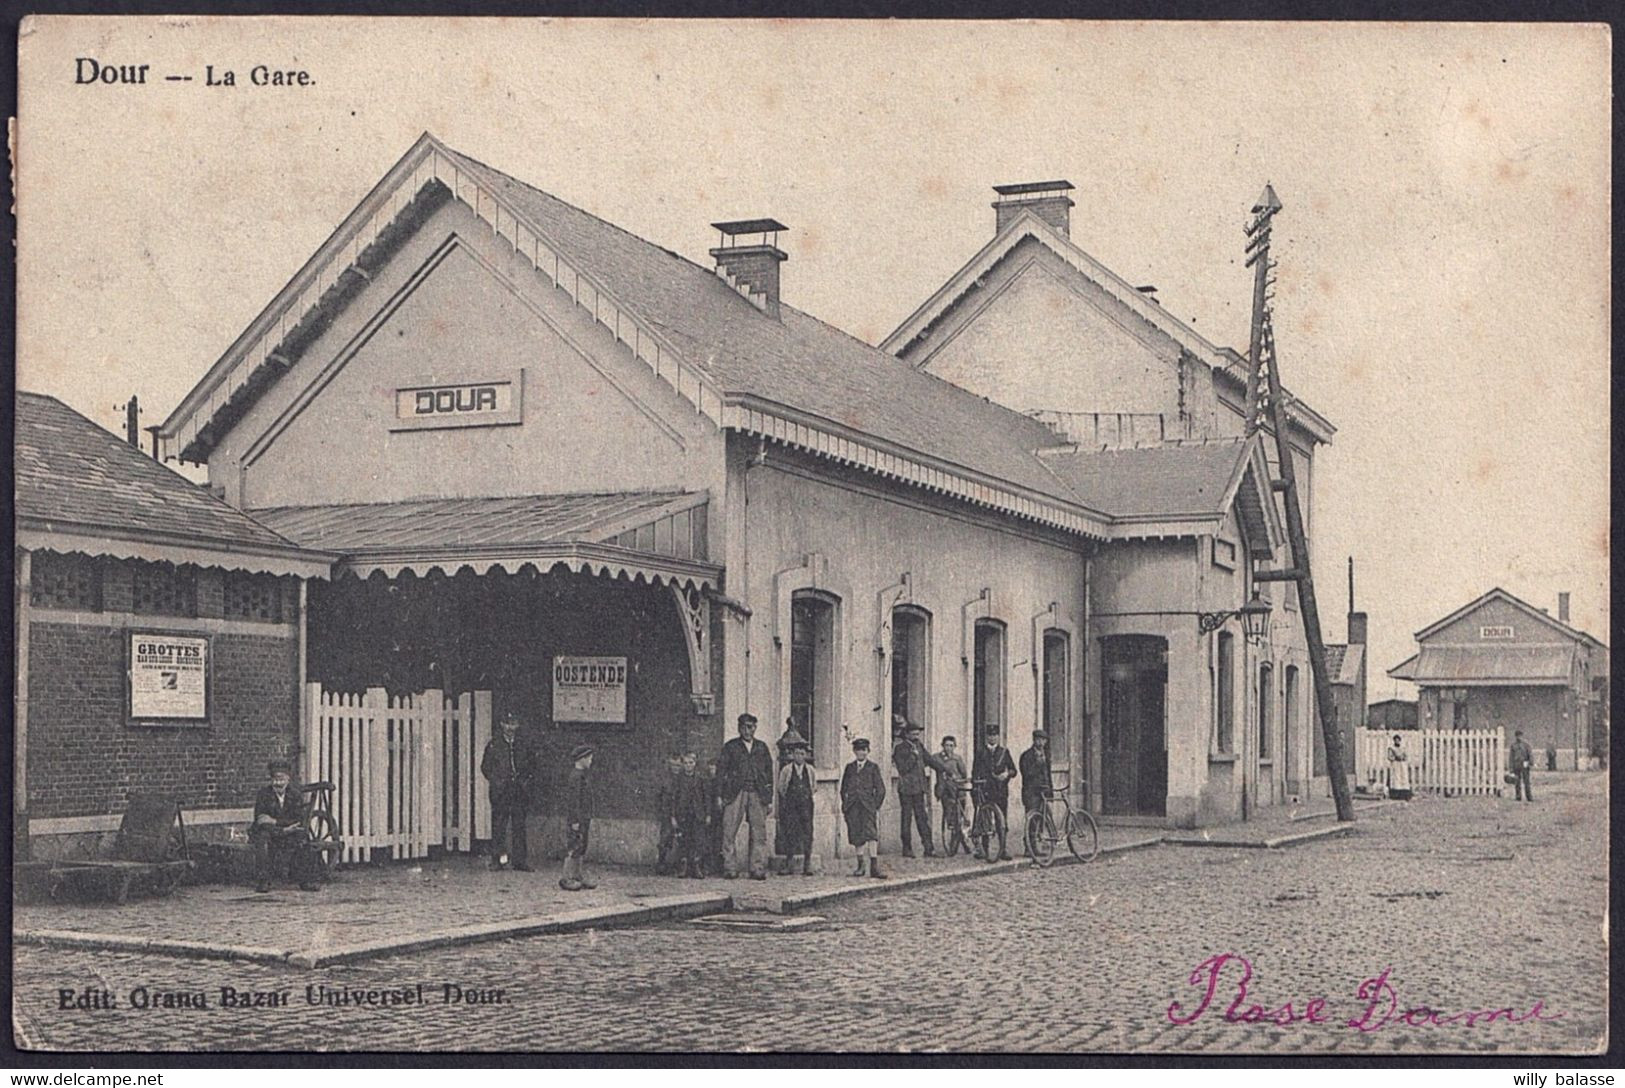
<point x="745" y="784"/>
<point x="509" y="767"/>
<point x="910" y="759"/>
<point x="863" y="791"/>
<point x="1036" y="783"/>
<point x="278" y="832"/>
<point x="577" y="819"/>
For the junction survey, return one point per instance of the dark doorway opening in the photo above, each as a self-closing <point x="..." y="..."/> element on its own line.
<point x="1134" y="758"/>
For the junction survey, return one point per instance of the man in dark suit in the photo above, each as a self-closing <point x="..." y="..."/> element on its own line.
<point x="278" y="831"/>
<point x="1035" y="778"/>
<point x="1520" y="757"/>
<point x="992" y="769"/>
<point x="509" y="767"/>
<point x="910" y="759"/>
<point x="745" y="783"/>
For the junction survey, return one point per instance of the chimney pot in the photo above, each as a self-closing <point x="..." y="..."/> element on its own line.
<point x="1045" y="199"/>
<point x="1563" y="607"/>
<point x="752" y="268"/>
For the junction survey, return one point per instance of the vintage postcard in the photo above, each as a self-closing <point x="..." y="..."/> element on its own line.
<point x="870" y="537"/>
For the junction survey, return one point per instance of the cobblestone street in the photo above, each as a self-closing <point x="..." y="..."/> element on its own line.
<point x="1469" y="904"/>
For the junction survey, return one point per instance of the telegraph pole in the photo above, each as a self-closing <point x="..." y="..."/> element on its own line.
<point x="1266" y="405"/>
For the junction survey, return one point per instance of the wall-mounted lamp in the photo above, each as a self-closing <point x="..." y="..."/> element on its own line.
<point x="1255" y="618"/>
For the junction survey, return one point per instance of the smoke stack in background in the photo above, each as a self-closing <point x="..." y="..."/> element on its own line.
<point x="132" y="421"/>
<point x="1045" y="199"/>
<point x="1563" y="608"/>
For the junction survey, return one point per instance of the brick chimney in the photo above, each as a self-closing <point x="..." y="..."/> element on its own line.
<point x="752" y="268"/>
<point x="1357" y="628"/>
<point x="1563" y="607"/>
<point x="1045" y="199"/>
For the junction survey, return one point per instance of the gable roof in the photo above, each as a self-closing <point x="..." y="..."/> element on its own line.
<point x="792" y="379"/>
<point x="1499" y="594"/>
<point x="1224" y="361"/>
<point x="1174" y="481"/>
<point x="81" y="488"/>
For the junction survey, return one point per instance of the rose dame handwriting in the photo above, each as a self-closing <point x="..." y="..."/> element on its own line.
<point x="1219" y="976"/>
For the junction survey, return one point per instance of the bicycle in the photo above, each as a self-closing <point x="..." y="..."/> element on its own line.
<point x="321" y="826"/>
<point x="988" y="823"/>
<point x="1079" y="827"/>
<point x="956" y="823"/>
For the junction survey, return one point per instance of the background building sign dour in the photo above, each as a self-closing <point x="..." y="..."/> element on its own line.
<point x="169" y="677"/>
<point x="589" y="689"/>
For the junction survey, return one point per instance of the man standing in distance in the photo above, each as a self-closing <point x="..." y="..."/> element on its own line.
<point x="1521" y="756"/>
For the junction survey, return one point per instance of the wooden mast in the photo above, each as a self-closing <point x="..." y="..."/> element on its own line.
<point x="1266" y="403"/>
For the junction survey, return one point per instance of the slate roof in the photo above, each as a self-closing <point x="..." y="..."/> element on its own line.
<point x="799" y="361"/>
<point x="438" y="524"/>
<point x="1178" y="479"/>
<point x="810" y="369"/>
<point x="74" y="476"/>
<point x="1486" y="664"/>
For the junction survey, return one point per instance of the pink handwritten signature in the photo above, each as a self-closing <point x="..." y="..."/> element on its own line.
<point x="1382" y="1006"/>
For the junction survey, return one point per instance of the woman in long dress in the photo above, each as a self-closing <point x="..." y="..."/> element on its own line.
<point x="1399" y="771"/>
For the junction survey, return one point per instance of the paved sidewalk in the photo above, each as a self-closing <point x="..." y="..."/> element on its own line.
<point x="375" y="910"/>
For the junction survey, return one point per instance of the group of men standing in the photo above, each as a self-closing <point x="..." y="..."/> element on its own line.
<point x="701" y="815"/>
<point x="745" y="795"/>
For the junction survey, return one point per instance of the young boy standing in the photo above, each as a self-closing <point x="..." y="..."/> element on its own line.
<point x="795" y="831"/>
<point x="951" y="782"/>
<point x="863" y="791"/>
<point x="577" y="819"/>
<point x="691" y="804"/>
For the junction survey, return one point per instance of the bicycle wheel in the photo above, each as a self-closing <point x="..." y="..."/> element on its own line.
<point x="1041" y="839"/>
<point x="1083" y="836"/>
<point x="324" y="830"/>
<point x="987" y="827"/>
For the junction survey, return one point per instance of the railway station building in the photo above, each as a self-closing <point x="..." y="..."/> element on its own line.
<point x="1499" y="662"/>
<point x="559" y="470"/>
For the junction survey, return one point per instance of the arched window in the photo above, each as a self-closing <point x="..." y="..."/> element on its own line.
<point x="987" y="697"/>
<point x="1057" y="690"/>
<point x="911" y="665"/>
<point x="1266" y="710"/>
<point x="1224" y="693"/>
<point x="812" y="673"/>
<point x="1291" y="745"/>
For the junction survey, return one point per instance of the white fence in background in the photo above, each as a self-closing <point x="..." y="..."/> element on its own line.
<point x="405" y="768"/>
<point x="1450" y="762"/>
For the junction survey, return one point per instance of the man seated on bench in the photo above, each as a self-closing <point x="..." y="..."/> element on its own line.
<point x="278" y="832"/>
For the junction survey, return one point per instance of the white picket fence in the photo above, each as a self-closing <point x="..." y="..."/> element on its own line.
<point x="405" y="768"/>
<point x="1450" y="762"/>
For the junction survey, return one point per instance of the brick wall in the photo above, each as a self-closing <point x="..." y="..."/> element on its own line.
<point x="84" y="757"/>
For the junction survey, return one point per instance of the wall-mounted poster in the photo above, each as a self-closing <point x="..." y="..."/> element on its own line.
<point x="589" y="689"/>
<point x="169" y="676"/>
